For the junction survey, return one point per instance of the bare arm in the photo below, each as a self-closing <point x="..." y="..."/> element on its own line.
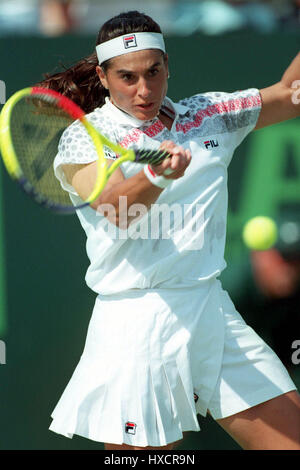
<point x="137" y="189"/>
<point x="281" y="101"/>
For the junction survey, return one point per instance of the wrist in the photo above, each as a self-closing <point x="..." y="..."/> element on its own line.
<point x="157" y="180"/>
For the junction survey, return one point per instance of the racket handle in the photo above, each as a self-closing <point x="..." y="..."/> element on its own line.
<point x="154" y="157"/>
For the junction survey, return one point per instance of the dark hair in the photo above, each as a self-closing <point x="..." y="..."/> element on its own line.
<point x="80" y="82"/>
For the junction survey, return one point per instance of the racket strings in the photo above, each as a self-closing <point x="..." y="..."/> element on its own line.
<point x="35" y="127"/>
<point x="36" y="131"/>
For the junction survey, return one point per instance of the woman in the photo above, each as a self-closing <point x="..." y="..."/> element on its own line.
<point x="165" y="341"/>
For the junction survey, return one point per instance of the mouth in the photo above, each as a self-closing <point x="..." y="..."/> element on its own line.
<point x="146" y="106"/>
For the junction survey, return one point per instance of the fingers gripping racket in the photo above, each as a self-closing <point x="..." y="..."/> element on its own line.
<point x="32" y="122"/>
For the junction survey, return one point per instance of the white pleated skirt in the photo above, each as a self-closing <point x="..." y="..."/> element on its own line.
<point x="154" y="359"/>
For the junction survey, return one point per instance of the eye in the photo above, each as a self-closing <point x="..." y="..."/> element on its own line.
<point x="153" y="72"/>
<point x="127" y="77"/>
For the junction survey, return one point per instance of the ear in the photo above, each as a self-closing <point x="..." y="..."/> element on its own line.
<point x="102" y="76"/>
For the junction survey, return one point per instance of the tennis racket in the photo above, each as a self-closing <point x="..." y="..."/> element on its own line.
<point x="32" y="122"/>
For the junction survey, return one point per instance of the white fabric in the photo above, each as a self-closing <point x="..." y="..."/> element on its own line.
<point x="192" y="249"/>
<point x="162" y="328"/>
<point x="251" y="372"/>
<point x="155" y="179"/>
<point x="148" y="352"/>
<point x="127" y="43"/>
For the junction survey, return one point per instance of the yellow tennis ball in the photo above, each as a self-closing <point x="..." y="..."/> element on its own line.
<point x="260" y="233"/>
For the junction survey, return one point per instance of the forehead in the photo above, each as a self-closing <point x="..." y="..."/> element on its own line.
<point x="138" y="60"/>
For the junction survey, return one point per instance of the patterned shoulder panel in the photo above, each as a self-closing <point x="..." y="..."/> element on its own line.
<point x="220" y="112"/>
<point x="105" y="126"/>
<point x="76" y="146"/>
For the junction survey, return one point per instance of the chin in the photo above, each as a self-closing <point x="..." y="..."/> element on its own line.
<point x="147" y="116"/>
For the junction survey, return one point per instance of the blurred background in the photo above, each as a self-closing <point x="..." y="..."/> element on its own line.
<point x="180" y="17"/>
<point x="45" y="306"/>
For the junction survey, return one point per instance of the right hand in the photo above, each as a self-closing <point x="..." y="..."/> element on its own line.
<point x="177" y="163"/>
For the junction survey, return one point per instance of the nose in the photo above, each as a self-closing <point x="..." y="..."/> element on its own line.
<point x="144" y="88"/>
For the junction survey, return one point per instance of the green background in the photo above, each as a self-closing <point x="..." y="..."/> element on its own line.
<point x="45" y="305"/>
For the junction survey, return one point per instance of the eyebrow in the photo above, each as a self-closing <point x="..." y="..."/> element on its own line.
<point x="130" y="71"/>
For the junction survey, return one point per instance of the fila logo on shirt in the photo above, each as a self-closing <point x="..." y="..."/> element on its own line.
<point x="130" y="41"/>
<point x="211" y="143"/>
<point x="130" y="427"/>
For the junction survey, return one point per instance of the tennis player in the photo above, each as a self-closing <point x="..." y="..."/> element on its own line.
<point x="165" y="342"/>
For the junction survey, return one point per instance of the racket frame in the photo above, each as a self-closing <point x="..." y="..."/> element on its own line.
<point x="14" y="169"/>
<point x="11" y="161"/>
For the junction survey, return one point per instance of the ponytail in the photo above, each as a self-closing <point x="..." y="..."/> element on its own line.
<point x="80" y="83"/>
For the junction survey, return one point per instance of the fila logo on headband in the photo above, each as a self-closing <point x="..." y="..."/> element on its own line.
<point x="129" y="41"/>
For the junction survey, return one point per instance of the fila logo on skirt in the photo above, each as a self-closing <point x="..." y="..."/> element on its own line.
<point x="130" y="427"/>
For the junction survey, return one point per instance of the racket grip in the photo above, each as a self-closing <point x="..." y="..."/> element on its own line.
<point x="154" y="157"/>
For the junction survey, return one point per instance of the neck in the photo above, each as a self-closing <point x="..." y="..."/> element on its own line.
<point x="165" y="119"/>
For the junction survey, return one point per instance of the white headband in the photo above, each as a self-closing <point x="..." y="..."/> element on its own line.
<point x="129" y="43"/>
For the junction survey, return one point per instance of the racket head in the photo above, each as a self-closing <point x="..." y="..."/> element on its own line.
<point x="31" y="124"/>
